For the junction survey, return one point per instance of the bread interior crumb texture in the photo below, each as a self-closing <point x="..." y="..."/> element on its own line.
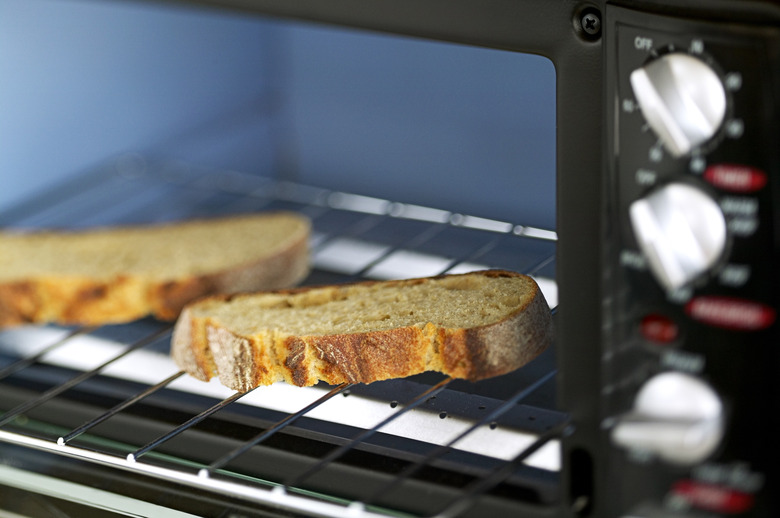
<point x="152" y="252"/>
<point x="448" y="302"/>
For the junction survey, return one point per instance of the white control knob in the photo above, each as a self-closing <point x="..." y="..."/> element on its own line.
<point x="676" y="416"/>
<point x="681" y="231"/>
<point x="682" y="98"/>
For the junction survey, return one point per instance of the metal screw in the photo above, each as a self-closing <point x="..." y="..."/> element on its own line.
<point x="591" y="24"/>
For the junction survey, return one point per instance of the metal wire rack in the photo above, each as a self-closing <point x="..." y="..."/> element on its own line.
<point x="421" y="447"/>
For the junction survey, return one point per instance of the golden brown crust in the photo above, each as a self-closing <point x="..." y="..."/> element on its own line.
<point x="366" y="357"/>
<point x="474" y="353"/>
<point x="18" y="303"/>
<point x="72" y="300"/>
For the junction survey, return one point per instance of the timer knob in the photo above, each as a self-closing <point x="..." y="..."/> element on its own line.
<point x="676" y="416"/>
<point x="681" y="231"/>
<point x="682" y="98"/>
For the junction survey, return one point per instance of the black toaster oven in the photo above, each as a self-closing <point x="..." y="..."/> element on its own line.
<point x="652" y="225"/>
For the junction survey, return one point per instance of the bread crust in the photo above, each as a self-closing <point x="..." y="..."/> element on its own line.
<point x="70" y="300"/>
<point x="205" y="348"/>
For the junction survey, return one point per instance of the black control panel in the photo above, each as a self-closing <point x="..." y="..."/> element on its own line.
<point x="691" y="281"/>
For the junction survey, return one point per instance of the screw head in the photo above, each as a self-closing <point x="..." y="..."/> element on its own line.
<point x="591" y="24"/>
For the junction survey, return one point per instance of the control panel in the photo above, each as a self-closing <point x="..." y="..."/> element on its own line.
<point x="691" y="276"/>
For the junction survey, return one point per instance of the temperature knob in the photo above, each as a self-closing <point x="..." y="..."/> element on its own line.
<point x="676" y="416"/>
<point x="682" y="98"/>
<point x="681" y="231"/>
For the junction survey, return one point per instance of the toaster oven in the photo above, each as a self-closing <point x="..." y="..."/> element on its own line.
<point x="653" y="228"/>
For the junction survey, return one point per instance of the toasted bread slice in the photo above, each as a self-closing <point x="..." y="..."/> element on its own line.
<point x="473" y="326"/>
<point x="119" y="274"/>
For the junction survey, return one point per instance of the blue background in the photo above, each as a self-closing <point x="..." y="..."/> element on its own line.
<point x="454" y="127"/>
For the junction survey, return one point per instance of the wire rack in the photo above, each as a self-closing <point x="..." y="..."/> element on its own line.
<point x="426" y="446"/>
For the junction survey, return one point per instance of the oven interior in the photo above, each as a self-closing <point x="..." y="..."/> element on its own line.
<point x="411" y="158"/>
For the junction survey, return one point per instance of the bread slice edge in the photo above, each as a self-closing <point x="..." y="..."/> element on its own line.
<point x="204" y="348"/>
<point x="85" y="300"/>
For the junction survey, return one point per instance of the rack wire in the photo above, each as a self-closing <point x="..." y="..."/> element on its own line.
<point x="354" y="237"/>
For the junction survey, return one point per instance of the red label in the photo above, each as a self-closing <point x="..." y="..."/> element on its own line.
<point x="658" y="328"/>
<point x="731" y="313"/>
<point x="735" y="177"/>
<point x="713" y="497"/>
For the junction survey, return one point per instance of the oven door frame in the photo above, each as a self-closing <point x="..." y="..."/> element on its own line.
<point x="555" y="30"/>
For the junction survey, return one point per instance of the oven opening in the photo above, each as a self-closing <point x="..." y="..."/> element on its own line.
<point x="411" y="158"/>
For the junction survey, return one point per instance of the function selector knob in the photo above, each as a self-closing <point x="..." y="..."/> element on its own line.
<point x="681" y="230"/>
<point x="675" y="416"/>
<point x="682" y="98"/>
